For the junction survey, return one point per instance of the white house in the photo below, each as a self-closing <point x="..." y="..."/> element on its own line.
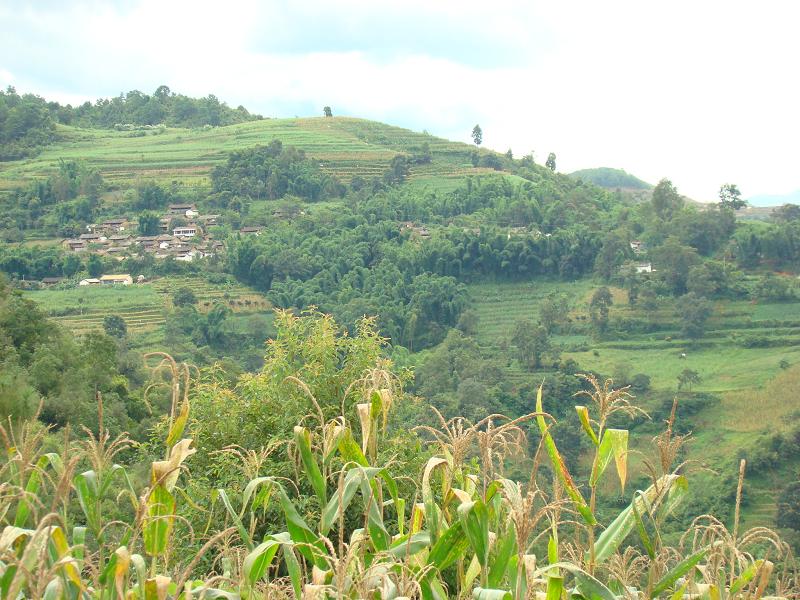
<point x="91" y="281"/>
<point x="185" y="232"/>
<point x="644" y="268"/>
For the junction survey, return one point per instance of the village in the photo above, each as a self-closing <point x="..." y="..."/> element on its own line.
<point x="183" y="236"/>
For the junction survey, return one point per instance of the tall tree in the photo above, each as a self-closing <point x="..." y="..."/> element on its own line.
<point x="477" y="135"/>
<point x="666" y="199"/>
<point x="599" y="308"/>
<point x="731" y="197"/>
<point x="149" y="223"/>
<point x="694" y="310"/>
<point x="327" y="111"/>
<point x="551" y="161"/>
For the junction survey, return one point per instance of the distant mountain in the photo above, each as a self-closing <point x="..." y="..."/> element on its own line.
<point x="611" y="178"/>
<point x="775" y="199"/>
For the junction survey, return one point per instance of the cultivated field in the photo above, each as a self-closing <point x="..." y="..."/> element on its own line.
<point x="344" y="146"/>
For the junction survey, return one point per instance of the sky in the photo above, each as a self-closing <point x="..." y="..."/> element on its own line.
<point x="702" y="92"/>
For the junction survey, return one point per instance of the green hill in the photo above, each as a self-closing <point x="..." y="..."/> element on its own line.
<point x="346" y="147"/>
<point x="607" y="177"/>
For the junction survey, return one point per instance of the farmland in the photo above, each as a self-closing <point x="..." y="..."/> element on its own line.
<point x="344" y="146"/>
<point x="143" y="307"/>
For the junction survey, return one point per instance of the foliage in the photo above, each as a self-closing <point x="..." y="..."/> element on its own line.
<point x="25" y="125"/>
<point x="477" y="135"/>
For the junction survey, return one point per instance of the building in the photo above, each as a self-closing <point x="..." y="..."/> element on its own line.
<point x="182" y="209"/>
<point x="51" y="280"/>
<point x="93" y="238"/>
<point x="637" y="246"/>
<point x="114" y="225"/>
<point x="185" y="232"/>
<point x="90" y="281"/>
<point x="251" y="230"/>
<point x="644" y="268"/>
<point x="123" y="279"/>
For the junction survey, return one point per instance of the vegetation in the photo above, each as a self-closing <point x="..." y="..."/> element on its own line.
<point x="206" y="518"/>
<point x="611" y="178"/>
<point x="487" y="275"/>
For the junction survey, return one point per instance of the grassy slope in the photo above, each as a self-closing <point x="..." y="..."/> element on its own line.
<point x="756" y="394"/>
<point x="344" y="146"/>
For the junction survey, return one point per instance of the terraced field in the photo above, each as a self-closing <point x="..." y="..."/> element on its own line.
<point x="344" y="146"/>
<point x="142" y="306"/>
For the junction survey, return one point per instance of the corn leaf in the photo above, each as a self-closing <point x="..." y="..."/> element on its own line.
<point x="746" y="576"/>
<point x="450" y="547"/>
<point x="259" y="560"/>
<point x="408" y="545"/>
<point x="679" y="570"/>
<point x="643" y="535"/>
<point x="505" y="546"/>
<point x="474" y="518"/>
<point x="178" y="425"/>
<point x="302" y="438"/>
<point x="614" y="443"/>
<point x="555" y="587"/>
<point x="488" y="594"/>
<point x="160" y="520"/>
<point x="235" y="518"/>
<point x="350" y="451"/>
<point x="86" y="488"/>
<point x="560" y="468"/>
<point x="583" y="415"/>
<point x="608" y="542"/>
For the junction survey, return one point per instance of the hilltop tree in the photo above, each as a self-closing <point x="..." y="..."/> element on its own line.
<point x="666" y="199"/>
<point x="477" y="135"/>
<point x="731" y="197"/>
<point x="327" y="111"/>
<point x="550" y="163"/>
<point x="94" y="265"/>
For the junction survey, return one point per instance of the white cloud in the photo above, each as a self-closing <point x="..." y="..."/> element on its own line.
<point x="703" y="93"/>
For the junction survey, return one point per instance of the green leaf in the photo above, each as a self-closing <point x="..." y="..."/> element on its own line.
<point x="408" y="545"/>
<point x="258" y="561"/>
<point x="235" y="517"/>
<point x="555" y="587"/>
<point x="679" y="570"/>
<point x="488" y="594"/>
<point x="302" y="438"/>
<point x="475" y="520"/>
<point x="450" y="547"/>
<point x="178" y="425"/>
<point x="505" y="547"/>
<point x="350" y="450"/>
<point x="608" y="542"/>
<point x="614" y="443"/>
<point x="745" y="577"/>
<point x="560" y="468"/>
<point x="160" y="520"/>
<point x="86" y="488"/>
<point x="32" y="487"/>
<point x="640" y="526"/>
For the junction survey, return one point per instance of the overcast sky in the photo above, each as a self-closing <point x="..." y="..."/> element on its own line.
<point x="703" y="91"/>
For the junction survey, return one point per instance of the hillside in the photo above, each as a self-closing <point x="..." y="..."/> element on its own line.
<point x="607" y="177"/>
<point x="454" y="250"/>
<point x="344" y="146"/>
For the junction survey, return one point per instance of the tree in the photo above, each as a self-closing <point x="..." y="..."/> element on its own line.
<point x="666" y="200"/>
<point x="731" y="197"/>
<point x="599" y="306"/>
<point x="184" y="297"/>
<point x="532" y="342"/>
<point x="477" y="135"/>
<point x="149" y="223"/>
<point x="789" y="507"/>
<point x="699" y="281"/>
<point x="550" y="163"/>
<point x="687" y="378"/>
<point x="786" y="213"/>
<point x="554" y="311"/>
<point x="327" y="111"/>
<point x="94" y="265"/>
<point x="114" y="326"/>
<point x="694" y="311"/>
<point x="674" y="261"/>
